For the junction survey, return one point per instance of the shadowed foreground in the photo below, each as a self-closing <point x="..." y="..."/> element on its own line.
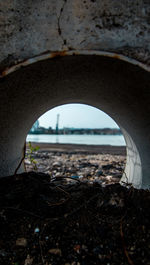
<point x="46" y="222"/>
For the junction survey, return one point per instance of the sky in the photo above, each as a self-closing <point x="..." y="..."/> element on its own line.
<point x="77" y="116"/>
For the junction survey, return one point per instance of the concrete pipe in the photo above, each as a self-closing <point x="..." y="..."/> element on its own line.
<point x="118" y="87"/>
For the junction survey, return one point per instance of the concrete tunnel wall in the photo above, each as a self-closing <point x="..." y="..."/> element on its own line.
<point x="106" y="83"/>
<point x="31" y="31"/>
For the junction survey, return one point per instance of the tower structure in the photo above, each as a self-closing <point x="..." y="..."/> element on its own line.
<point x="57" y="123"/>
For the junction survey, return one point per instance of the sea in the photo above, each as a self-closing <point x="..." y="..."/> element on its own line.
<point x="115" y="140"/>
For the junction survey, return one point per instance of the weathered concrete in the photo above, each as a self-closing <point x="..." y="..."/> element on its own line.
<point x="59" y="28"/>
<point x="105" y="83"/>
<point x="29" y="28"/>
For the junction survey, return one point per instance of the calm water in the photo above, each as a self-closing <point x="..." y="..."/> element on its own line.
<point x="78" y="139"/>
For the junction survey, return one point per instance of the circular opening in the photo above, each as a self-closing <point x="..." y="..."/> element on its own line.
<point x="77" y="141"/>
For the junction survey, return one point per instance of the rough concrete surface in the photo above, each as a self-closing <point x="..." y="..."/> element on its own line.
<point x="31" y="28"/>
<point x="105" y="83"/>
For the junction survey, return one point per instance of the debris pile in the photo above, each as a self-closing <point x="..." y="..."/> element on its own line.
<point x="76" y="223"/>
<point x="102" y="168"/>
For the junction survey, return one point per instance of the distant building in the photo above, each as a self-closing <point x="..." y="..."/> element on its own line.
<point x="36" y="129"/>
<point x="35" y="126"/>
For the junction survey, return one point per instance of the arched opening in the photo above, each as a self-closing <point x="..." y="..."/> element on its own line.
<point x="88" y="224"/>
<point x="77" y="141"/>
<point x="106" y="83"/>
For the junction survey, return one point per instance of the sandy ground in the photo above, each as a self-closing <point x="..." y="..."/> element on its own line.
<point x="103" y="164"/>
<point x="97" y="149"/>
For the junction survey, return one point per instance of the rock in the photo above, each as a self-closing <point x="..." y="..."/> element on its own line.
<point x="97" y="250"/>
<point x="45" y="156"/>
<point x="72" y="170"/>
<point x="58" y="174"/>
<point x="28" y="260"/>
<point x="37" y="230"/>
<point x="3" y="253"/>
<point x="75" y="177"/>
<point x="109" y="178"/>
<point x="87" y="175"/>
<point x="85" y="248"/>
<point x="57" y="164"/>
<point x="99" y="173"/>
<point x="116" y="201"/>
<point x="107" y="167"/>
<point x="84" y="164"/>
<point x="55" y="251"/>
<point x="115" y="180"/>
<point x="22" y="242"/>
<point x="27" y="162"/>
<point x="94" y="165"/>
<point x="97" y="181"/>
<point x="77" y="248"/>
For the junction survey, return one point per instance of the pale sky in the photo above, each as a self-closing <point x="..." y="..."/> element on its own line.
<point x="77" y="116"/>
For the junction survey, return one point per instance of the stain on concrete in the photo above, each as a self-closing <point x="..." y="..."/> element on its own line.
<point x="30" y="28"/>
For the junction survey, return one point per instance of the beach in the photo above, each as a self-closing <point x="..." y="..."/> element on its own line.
<point x="101" y="149"/>
<point x="102" y="163"/>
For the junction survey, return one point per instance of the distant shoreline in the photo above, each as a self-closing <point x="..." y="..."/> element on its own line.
<point x="75" y="131"/>
<point x="80" y="148"/>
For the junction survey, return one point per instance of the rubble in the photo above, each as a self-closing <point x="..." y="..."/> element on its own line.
<point x="45" y="222"/>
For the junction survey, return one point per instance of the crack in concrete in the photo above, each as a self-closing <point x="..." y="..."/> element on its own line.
<point x="59" y="27"/>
